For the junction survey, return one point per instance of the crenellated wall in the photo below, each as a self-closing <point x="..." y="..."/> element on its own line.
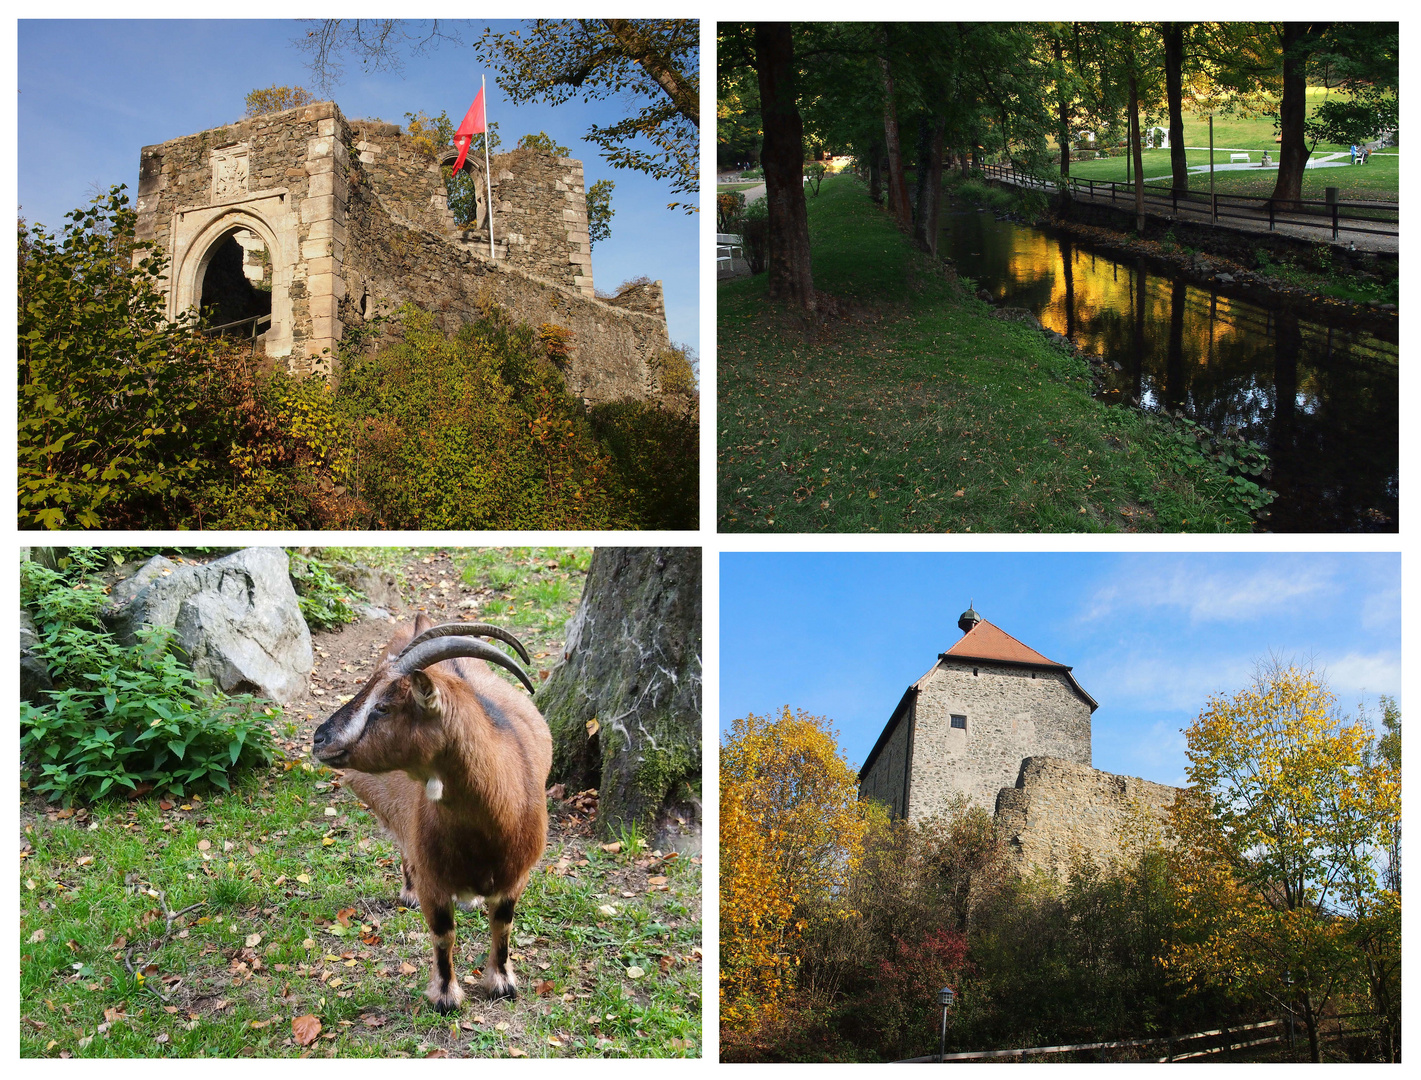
<point x="355" y="220"/>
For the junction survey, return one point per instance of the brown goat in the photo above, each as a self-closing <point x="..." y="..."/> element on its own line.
<point x="454" y="762"/>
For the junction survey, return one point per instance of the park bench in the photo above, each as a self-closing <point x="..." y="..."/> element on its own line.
<point x="1239" y="157"/>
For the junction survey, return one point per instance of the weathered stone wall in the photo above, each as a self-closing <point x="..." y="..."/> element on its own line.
<point x="1012" y="713"/>
<point x="1060" y="808"/>
<point x="886" y="780"/>
<point x="281" y="175"/>
<point x="355" y="219"/>
<point x="540" y="213"/>
<point x="391" y="263"/>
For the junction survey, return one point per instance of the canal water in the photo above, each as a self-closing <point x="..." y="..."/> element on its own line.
<point x="1316" y="389"/>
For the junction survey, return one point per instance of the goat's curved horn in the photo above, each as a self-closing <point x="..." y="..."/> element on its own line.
<point x="468" y="629"/>
<point x="446" y="648"/>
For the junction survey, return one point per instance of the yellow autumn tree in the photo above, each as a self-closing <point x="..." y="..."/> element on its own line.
<point x="1278" y="859"/>
<point x="791" y="832"/>
<point x="270" y="99"/>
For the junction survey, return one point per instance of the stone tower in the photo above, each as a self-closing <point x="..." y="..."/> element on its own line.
<point x="311" y="224"/>
<point x="996" y="721"/>
<point x="965" y="726"/>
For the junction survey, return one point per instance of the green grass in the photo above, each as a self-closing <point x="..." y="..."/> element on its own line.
<point x="919" y="410"/>
<point x="264" y="877"/>
<point x="1377" y="181"/>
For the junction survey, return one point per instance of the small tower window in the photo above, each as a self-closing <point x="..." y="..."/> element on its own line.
<point x="974" y="671"/>
<point x="1033" y="674"/>
<point x="959" y="722"/>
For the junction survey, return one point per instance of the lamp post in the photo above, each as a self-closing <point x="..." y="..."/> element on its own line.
<point x="1288" y="982"/>
<point x="945" y="998"/>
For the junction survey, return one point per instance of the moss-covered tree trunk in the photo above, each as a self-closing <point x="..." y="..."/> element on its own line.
<point x="625" y="703"/>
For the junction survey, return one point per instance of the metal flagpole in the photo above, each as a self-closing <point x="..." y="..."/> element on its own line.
<point x="488" y="173"/>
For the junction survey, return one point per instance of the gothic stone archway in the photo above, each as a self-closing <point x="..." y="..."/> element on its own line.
<point x="199" y="236"/>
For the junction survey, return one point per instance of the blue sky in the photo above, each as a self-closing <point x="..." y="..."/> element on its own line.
<point x="93" y="93"/>
<point x="1150" y="636"/>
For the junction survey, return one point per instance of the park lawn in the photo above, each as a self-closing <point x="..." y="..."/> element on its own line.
<point x="1377" y="181"/>
<point x="918" y="410"/>
<point x="288" y="891"/>
<point x="738" y="187"/>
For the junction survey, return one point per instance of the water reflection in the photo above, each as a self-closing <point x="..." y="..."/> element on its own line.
<point x="1321" y="397"/>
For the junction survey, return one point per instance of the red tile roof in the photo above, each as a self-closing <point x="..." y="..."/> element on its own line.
<point x="986" y="642"/>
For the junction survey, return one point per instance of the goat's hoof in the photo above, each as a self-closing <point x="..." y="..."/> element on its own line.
<point x="445" y="999"/>
<point x="409" y="900"/>
<point x="496" y="988"/>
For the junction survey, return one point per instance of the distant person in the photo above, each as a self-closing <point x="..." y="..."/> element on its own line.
<point x="1266" y="161"/>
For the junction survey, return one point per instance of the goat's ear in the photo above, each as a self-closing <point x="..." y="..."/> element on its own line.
<point x="422" y="623"/>
<point x="426" y="695"/>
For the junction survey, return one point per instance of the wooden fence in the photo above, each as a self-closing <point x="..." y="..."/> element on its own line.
<point x="1176" y="1047"/>
<point x="1373" y="218"/>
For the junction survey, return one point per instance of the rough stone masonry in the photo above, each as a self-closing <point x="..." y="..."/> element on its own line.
<point x="354" y="220"/>
<point x="996" y="722"/>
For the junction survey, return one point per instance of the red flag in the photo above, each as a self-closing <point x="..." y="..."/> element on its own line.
<point x="473" y="124"/>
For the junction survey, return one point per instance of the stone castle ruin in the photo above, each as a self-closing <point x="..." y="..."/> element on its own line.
<point x="997" y="723"/>
<point x="311" y="224"/>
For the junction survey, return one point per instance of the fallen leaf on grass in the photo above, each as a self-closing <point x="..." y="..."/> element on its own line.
<point x="406" y="968"/>
<point x="344" y="914"/>
<point x="553" y="1040"/>
<point x="162" y="1038"/>
<point x="635" y="972"/>
<point x="545" y="987"/>
<point x="502" y="1025"/>
<point x="437" y="1054"/>
<point x="370" y="1020"/>
<point x="304" y="879"/>
<point x="38" y="935"/>
<point x="658" y="880"/>
<point x="513" y="1051"/>
<point x="253" y="939"/>
<point x="607" y="909"/>
<point x="304" y="1029"/>
<point x="612" y="848"/>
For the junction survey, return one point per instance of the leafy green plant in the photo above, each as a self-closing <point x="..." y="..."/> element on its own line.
<point x="123" y="717"/>
<point x="754" y="229"/>
<point x="325" y="602"/>
<point x="104" y="377"/>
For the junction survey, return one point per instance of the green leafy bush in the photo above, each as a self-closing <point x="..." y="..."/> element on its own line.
<point x="657" y="454"/>
<point x="473" y="432"/>
<point x="325" y="602"/>
<point x="104" y="377"/>
<point x="123" y="718"/>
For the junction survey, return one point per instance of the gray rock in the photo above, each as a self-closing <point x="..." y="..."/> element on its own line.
<point x="34" y="675"/>
<point x="378" y="586"/>
<point x="1224" y="279"/>
<point x="235" y="620"/>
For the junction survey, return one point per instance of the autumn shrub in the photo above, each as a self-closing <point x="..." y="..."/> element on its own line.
<point x="121" y="717"/>
<point x="656" y="450"/>
<point x="475" y="431"/>
<point x="105" y="379"/>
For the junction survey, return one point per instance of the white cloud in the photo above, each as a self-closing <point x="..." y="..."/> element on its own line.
<point x="1159" y="683"/>
<point x="1232" y="594"/>
<point x="1374" y="673"/>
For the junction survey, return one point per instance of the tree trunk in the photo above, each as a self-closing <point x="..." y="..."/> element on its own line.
<point x="1173" y="34"/>
<point x="632" y="664"/>
<point x="875" y="173"/>
<point x="897" y="182"/>
<point x="782" y="157"/>
<point x="1135" y="151"/>
<point x="1063" y="106"/>
<point x="1292" y="111"/>
<point x="929" y="182"/>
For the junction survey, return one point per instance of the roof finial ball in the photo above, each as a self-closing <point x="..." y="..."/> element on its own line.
<point x="968" y="619"/>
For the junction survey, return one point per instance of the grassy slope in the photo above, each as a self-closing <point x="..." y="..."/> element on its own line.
<point x="921" y="411"/>
<point x="283" y="857"/>
<point x="1378" y="180"/>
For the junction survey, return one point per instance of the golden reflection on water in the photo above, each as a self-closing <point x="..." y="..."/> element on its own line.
<point x="1322" y="399"/>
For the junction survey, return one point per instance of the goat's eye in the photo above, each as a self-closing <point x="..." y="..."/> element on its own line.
<point x="379" y="709"/>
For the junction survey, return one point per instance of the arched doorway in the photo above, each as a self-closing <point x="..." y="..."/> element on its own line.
<point x="236" y="284"/>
